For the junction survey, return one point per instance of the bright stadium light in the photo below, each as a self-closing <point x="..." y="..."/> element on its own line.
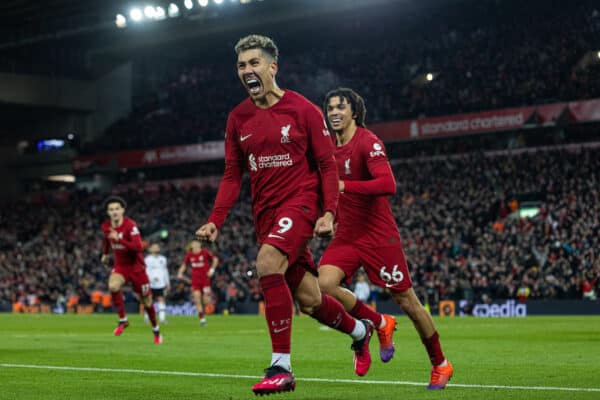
<point x="429" y="77"/>
<point x="189" y="4"/>
<point x="149" y="12"/>
<point x="159" y="14"/>
<point x="136" y="14"/>
<point x="61" y="178"/>
<point x="598" y="54"/>
<point x="218" y="1"/>
<point x="120" y="21"/>
<point x="173" y="10"/>
<point x="203" y="3"/>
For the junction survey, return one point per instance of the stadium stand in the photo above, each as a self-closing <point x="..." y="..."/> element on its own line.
<point x="485" y="56"/>
<point x="455" y="204"/>
<point x="457" y="215"/>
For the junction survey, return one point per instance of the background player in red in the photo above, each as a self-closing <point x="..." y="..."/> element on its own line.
<point x="122" y="235"/>
<point x="367" y="234"/>
<point x="203" y="264"/>
<point x="282" y="140"/>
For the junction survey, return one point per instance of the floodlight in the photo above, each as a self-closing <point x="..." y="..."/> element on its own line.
<point x="159" y="14"/>
<point x="120" y="21"/>
<point x="173" y="10"/>
<point x="136" y="14"/>
<point x="149" y="12"/>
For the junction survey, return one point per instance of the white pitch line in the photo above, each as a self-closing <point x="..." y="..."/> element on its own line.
<point x="215" y="375"/>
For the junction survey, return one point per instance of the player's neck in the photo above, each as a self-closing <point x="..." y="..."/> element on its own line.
<point x="346" y="135"/>
<point x="116" y="223"/>
<point x="271" y="98"/>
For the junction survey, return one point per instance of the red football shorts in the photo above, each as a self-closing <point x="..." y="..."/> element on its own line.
<point x="290" y="229"/>
<point x="201" y="284"/>
<point x="385" y="266"/>
<point x="137" y="276"/>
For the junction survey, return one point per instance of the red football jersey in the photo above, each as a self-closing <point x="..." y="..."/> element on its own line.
<point x="128" y="249"/>
<point x="200" y="263"/>
<point x="281" y="148"/>
<point x="364" y="213"/>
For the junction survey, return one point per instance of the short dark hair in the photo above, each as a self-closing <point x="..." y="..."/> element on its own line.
<point x="114" y="199"/>
<point x="264" y="43"/>
<point x="359" y="111"/>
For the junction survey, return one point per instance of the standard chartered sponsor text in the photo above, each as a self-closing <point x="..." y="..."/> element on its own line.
<point x="275" y="161"/>
<point x="473" y="124"/>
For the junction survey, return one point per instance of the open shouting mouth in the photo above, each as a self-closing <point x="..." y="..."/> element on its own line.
<point x="253" y="83"/>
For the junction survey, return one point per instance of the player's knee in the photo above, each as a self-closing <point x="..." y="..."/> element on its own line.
<point x="270" y="261"/>
<point x="115" y="282"/>
<point x="114" y="286"/>
<point x="308" y="302"/>
<point x="330" y="278"/>
<point x="410" y="305"/>
<point x="327" y="285"/>
<point x="147" y="301"/>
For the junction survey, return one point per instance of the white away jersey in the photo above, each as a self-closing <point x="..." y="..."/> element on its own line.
<point x="156" y="268"/>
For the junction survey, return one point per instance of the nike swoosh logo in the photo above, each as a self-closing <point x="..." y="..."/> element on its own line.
<point x="242" y="138"/>
<point x="275" y="236"/>
<point x="280" y="330"/>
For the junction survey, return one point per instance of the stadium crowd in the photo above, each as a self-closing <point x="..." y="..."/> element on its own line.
<point x="507" y="54"/>
<point x="455" y="213"/>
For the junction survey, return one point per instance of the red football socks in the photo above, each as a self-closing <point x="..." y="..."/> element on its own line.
<point x="200" y="315"/>
<point x="278" y="311"/>
<point x="362" y="311"/>
<point x="434" y="349"/>
<point x="332" y="313"/>
<point x="119" y="303"/>
<point x="151" y="315"/>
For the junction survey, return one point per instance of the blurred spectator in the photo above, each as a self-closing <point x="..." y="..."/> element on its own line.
<point x="362" y="289"/>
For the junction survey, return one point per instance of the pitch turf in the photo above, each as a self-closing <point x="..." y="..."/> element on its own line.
<point x="559" y="352"/>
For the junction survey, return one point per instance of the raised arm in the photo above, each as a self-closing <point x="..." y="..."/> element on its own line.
<point x="382" y="180"/>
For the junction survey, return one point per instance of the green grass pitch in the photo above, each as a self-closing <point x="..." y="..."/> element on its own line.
<point x="534" y="353"/>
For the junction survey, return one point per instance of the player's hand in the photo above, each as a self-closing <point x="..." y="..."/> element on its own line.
<point x="341" y="186"/>
<point x="324" y="225"/>
<point x="208" y="232"/>
<point x="104" y="259"/>
<point x="114" y="235"/>
<point x="211" y="272"/>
